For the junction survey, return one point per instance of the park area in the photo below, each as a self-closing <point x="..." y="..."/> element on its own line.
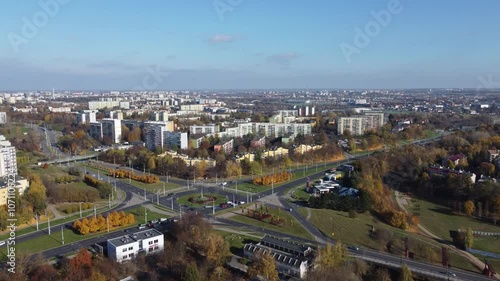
<point x="357" y="231"/>
<point x="270" y="218"/>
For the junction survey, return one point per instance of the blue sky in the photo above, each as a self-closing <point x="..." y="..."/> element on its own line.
<point x="110" y="44"/>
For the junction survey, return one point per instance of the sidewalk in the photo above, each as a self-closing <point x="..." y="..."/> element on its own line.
<point x="402" y="201"/>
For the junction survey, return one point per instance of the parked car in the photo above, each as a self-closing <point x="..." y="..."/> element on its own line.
<point x="141" y="226"/>
<point x="163" y="219"/>
<point x="154" y="221"/>
<point x="223" y="205"/>
<point x="2" y="243"/>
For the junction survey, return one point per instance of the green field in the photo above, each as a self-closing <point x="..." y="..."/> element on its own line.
<point x="440" y="220"/>
<point x="32" y="228"/>
<point x="55" y="239"/>
<point x="356" y="231"/>
<point x="294" y="229"/>
<point x="300" y="194"/>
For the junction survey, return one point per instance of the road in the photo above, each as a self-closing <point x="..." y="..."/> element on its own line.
<point x="373" y="256"/>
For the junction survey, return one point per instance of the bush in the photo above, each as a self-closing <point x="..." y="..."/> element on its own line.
<point x="353" y="214"/>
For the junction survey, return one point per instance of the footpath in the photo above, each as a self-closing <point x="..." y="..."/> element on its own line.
<point x="401" y="200"/>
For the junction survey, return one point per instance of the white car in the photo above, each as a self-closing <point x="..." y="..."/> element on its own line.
<point x="2" y="243"/>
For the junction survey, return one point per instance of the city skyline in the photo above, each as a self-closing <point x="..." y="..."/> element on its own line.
<point x="248" y="45"/>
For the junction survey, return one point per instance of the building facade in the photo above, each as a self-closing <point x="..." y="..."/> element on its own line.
<point x="359" y="124"/>
<point x="112" y="128"/>
<point x="129" y="246"/>
<point x="8" y="158"/>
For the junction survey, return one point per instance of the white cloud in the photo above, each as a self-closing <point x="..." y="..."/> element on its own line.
<point x="221" y="38"/>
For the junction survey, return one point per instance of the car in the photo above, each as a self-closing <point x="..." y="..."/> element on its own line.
<point x="452" y="274"/>
<point x="141" y="226"/>
<point x="223" y="183"/>
<point x="223" y="205"/>
<point x="163" y="219"/>
<point x="354" y="248"/>
<point x="170" y="194"/>
<point x="154" y="221"/>
<point x="242" y="202"/>
<point x="151" y="225"/>
<point x="2" y="243"/>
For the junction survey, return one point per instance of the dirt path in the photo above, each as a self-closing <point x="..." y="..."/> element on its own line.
<point x="401" y="200"/>
<point x="54" y="211"/>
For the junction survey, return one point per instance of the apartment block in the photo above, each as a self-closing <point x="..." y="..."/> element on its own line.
<point x="86" y="116"/>
<point x="96" y="130"/>
<point x="3" y="117"/>
<point x="204" y="129"/>
<point x="359" y="124"/>
<point x="8" y="159"/>
<point x="112" y="128"/>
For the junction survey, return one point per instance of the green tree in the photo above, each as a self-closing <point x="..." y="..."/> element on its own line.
<point x="469" y="238"/>
<point x="191" y="273"/>
<point x="406" y="274"/>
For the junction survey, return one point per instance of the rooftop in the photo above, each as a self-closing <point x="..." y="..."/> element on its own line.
<point x="284" y="245"/>
<point x="135" y="236"/>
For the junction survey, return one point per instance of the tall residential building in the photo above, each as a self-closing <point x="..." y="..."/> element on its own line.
<point x="8" y="189"/>
<point x="86" y="116"/>
<point x="112" y="128"/>
<point x="359" y="124"/>
<point x="96" y="130"/>
<point x="154" y="133"/>
<point x="159" y="116"/>
<point x="3" y="117"/>
<point x="178" y="139"/>
<point x="8" y="159"/>
<point x="96" y="105"/>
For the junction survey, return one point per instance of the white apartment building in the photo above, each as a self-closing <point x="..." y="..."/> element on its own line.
<point x="359" y="124"/>
<point x="112" y="128"/>
<point x="86" y="116"/>
<point x="59" y="109"/>
<point x="129" y="246"/>
<point x="159" y="116"/>
<point x="204" y="129"/>
<point x="273" y="130"/>
<point x="3" y="117"/>
<point x="96" y="105"/>
<point x="8" y="159"/>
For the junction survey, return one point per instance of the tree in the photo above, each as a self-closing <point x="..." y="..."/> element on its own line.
<point x="332" y="256"/>
<point x="217" y="250"/>
<point x="37" y="194"/>
<point x="263" y="264"/>
<point x="220" y="274"/>
<point x="151" y="164"/>
<point x="82" y="259"/>
<point x="406" y="274"/>
<point x="469" y="238"/>
<point x="191" y="273"/>
<point x="382" y="274"/>
<point x="469" y="208"/>
<point x="135" y="135"/>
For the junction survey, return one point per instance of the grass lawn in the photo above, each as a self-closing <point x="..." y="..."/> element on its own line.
<point x="237" y="241"/>
<point x="300" y="194"/>
<point x="54" y="240"/>
<point x="440" y="220"/>
<point x="219" y="199"/>
<point x="355" y="231"/>
<point x="42" y="225"/>
<point x="490" y="244"/>
<point x="151" y="187"/>
<point x="294" y="228"/>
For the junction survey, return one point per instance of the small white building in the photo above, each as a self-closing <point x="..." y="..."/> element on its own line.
<point x="127" y="247"/>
